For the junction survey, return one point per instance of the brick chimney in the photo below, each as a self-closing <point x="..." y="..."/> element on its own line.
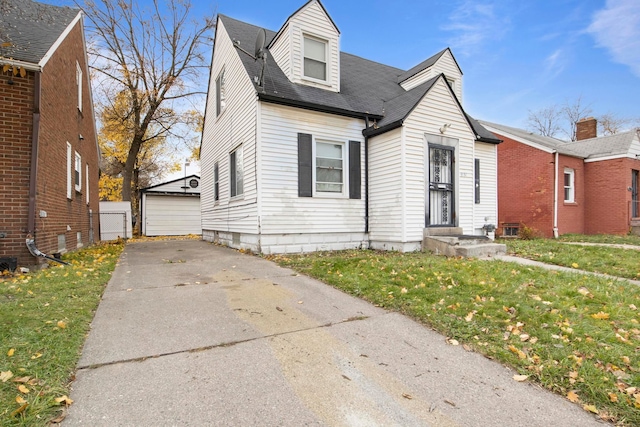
<point x="586" y="128"/>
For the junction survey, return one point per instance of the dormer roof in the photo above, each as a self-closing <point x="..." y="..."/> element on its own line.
<point x="284" y="26"/>
<point x="367" y="89"/>
<point x="429" y="62"/>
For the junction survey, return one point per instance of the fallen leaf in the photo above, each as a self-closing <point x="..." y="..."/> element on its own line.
<point x="61" y="324"/>
<point x="37" y="356"/>
<point x="20" y="400"/>
<point x="64" y="399"/>
<point x="469" y="316"/>
<point x="23" y="389"/>
<point x="590" y="408"/>
<point x="613" y="397"/>
<point x="407" y="396"/>
<point x="11" y="352"/>
<point x="21" y="380"/>
<point x="575" y="265"/>
<point x="5" y="375"/>
<point x="573" y="397"/>
<point x="19" y="410"/>
<point x="60" y="418"/>
<point x="520" y="378"/>
<point x="600" y="315"/>
<point x="453" y="341"/>
<point x="278" y="308"/>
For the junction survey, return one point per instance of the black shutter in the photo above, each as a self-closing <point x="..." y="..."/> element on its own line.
<point x="305" y="165"/>
<point x="232" y="174"/>
<point x="354" y="170"/>
<point x="216" y="180"/>
<point x="477" y="179"/>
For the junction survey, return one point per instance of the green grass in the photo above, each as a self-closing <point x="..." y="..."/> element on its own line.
<point x="600" y="259"/>
<point x="570" y="333"/>
<point x="45" y="317"/>
<point x="601" y="238"/>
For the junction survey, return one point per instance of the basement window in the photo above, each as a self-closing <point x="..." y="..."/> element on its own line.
<point x="510" y="230"/>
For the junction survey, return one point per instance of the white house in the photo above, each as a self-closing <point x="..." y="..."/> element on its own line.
<point x="332" y="151"/>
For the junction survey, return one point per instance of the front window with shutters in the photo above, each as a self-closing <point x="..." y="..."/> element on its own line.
<point x="315" y="58"/>
<point x="329" y="167"/>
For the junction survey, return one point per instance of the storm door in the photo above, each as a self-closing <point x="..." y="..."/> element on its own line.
<point x="441" y="209"/>
<point x="635" y="200"/>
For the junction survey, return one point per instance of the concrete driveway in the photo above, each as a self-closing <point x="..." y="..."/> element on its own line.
<point x="191" y="334"/>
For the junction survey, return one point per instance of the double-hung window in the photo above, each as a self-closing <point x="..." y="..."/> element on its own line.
<point x="236" y="172"/>
<point x="79" y="84"/>
<point x="78" y="172"/>
<point x="329" y="167"/>
<point x="216" y="182"/>
<point x="221" y="96"/>
<point x="315" y="58"/>
<point x="569" y="185"/>
<point x="69" y="169"/>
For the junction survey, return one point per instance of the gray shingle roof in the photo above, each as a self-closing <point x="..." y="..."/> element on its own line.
<point x="424" y="65"/>
<point x="548" y="142"/>
<point x="618" y="144"/>
<point x="29" y="29"/>
<point x="366" y="87"/>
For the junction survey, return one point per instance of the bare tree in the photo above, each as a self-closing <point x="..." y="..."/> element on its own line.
<point x="609" y="124"/>
<point x="572" y="113"/>
<point x="556" y="119"/>
<point x="546" y="121"/>
<point x="157" y="56"/>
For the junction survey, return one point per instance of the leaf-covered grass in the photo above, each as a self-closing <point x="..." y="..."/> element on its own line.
<point x="576" y="335"/>
<point x="601" y="238"/>
<point x="600" y="259"/>
<point x="45" y="317"/>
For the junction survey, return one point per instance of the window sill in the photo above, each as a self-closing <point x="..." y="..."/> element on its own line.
<point x="236" y="198"/>
<point x="325" y="83"/>
<point x="570" y="203"/>
<point x="328" y="195"/>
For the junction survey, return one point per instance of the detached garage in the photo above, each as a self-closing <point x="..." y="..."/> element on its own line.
<point x="171" y="208"/>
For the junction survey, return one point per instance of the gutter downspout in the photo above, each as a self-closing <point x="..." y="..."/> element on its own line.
<point x="33" y="174"/>
<point x="555" y="199"/>
<point x="366" y="176"/>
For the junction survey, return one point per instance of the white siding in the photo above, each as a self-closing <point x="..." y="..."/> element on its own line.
<point x="486" y="212"/>
<point x="171" y="215"/>
<point x="385" y="189"/>
<point x="223" y="133"/>
<point x="281" y="50"/>
<point x="437" y="108"/>
<point x="310" y="20"/>
<point x="282" y="211"/>
<point x="446" y="64"/>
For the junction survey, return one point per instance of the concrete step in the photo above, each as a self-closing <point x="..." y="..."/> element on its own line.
<point x="481" y="250"/>
<point x="442" y="231"/>
<point x="461" y="245"/>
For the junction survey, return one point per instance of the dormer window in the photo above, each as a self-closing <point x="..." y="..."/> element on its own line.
<point x="315" y="58"/>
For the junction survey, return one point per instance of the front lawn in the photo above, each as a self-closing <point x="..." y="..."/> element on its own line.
<point x="45" y="317"/>
<point x="576" y="335"/>
<point x="600" y="259"/>
<point x="601" y="238"/>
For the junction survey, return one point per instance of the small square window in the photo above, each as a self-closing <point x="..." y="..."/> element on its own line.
<point x="315" y="58"/>
<point x="510" y="230"/>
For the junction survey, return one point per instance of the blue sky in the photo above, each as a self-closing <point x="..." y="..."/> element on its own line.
<point x="516" y="56"/>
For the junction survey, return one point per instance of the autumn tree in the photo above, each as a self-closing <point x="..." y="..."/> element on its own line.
<point x="157" y="58"/>
<point x="114" y="138"/>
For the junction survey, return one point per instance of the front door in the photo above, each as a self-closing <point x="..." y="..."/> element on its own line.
<point x="635" y="200"/>
<point x="441" y="209"/>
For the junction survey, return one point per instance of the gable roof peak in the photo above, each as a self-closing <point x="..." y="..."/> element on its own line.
<point x="429" y="62"/>
<point x="304" y="6"/>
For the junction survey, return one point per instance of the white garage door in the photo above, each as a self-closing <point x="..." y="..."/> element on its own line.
<point x="172" y="215"/>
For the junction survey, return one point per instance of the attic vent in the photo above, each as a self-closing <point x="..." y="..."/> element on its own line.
<point x="8" y="264"/>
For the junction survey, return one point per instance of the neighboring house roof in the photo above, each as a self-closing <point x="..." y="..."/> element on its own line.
<point x="426" y="64"/>
<point x="592" y="148"/>
<point x="605" y="146"/>
<point x="367" y="88"/>
<point x="551" y="144"/>
<point x="29" y="29"/>
<point x="184" y="178"/>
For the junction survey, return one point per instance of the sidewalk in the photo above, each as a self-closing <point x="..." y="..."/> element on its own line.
<point x="191" y="334"/>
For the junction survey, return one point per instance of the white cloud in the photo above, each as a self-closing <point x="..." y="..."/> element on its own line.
<point x="554" y="63"/>
<point x="472" y="24"/>
<point x="617" y="29"/>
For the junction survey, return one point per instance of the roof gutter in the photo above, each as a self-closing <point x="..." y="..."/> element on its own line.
<point x="373" y="131"/>
<point x="22" y="64"/>
<point x="315" y="107"/>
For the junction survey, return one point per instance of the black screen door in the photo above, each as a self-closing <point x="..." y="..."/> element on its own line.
<point x="441" y="198"/>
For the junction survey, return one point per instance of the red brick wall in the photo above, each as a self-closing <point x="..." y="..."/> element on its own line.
<point x="16" y="108"/>
<point x="571" y="215"/>
<point x="608" y="196"/>
<point x="525" y="186"/>
<point x="61" y="122"/>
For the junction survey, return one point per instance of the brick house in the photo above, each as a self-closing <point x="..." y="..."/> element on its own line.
<point x="589" y="186"/>
<point x="48" y="145"/>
